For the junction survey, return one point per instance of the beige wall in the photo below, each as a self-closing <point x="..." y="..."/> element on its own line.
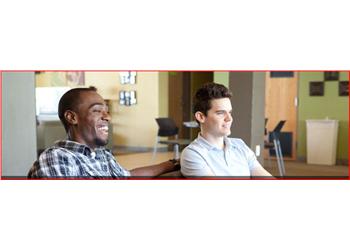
<point x="107" y="83"/>
<point x="133" y="126"/>
<point x="163" y="94"/>
<point x="50" y="79"/>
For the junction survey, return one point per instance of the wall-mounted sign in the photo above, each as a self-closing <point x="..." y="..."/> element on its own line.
<point x="127" y="98"/>
<point x="316" y="88"/>
<point x="344" y="88"/>
<point x="128" y="77"/>
<point x="331" y="76"/>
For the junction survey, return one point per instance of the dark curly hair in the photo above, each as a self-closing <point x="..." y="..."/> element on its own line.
<point x="204" y="95"/>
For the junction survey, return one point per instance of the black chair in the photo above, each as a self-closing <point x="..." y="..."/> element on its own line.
<point x="166" y="128"/>
<point x="275" y="144"/>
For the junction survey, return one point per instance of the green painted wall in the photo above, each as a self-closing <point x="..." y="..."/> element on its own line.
<point x="222" y="78"/>
<point x="330" y="105"/>
<point x="198" y="79"/>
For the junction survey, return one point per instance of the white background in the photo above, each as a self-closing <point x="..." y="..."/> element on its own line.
<point x="193" y="35"/>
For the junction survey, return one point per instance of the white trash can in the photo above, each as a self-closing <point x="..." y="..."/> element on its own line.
<point x="321" y="141"/>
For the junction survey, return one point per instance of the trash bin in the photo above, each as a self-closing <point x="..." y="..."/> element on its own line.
<point x="321" y="141"/>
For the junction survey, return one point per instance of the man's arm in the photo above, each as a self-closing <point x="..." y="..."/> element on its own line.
<point x="155" y="170"/>
<point x="258" y="170"/>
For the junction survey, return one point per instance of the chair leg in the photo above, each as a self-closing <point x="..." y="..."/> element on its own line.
<point x="176" y="151"/>
<point x="155" y="149"/>
<point x="279" y="157"/>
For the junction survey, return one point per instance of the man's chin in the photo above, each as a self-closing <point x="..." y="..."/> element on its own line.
<point x="101" y="142"/>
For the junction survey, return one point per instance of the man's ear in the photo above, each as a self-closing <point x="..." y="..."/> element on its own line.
<point x="71" y="117"/>
<point x="200" y="117"/>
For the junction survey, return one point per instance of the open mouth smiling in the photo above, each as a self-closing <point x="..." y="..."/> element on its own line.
<point x="103" y="129"/>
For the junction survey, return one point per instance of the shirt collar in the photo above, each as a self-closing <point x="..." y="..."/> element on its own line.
<point x="78" y="147"/>
<point x="203" y="142"/>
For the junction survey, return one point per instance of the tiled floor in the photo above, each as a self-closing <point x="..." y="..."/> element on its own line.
<point x="293" y="168"/>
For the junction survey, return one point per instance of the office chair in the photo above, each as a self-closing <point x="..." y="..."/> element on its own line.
<point x="166" y="128"/>
<point x="276" y="145"/>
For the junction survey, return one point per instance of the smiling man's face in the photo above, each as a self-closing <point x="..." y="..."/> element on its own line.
<point x="92" y="120"/>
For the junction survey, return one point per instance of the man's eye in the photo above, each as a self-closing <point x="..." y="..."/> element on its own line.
<point x="97" y="111"/>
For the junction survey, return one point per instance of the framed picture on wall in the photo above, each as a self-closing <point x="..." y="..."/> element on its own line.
<point x="75" y="78"/>
<point x="127" y="77"/>
<point x="344" y="88"/>
<point x="316" y="88"/>
<point x="331" y="76"/>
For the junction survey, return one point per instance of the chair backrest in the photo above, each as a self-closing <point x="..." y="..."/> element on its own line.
<point x="277" y="130"/>
<point x="279" y="126"/>
<point x="167" y="127"/>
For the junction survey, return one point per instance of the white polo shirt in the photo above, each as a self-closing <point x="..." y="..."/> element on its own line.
<point x="200" y="158"/>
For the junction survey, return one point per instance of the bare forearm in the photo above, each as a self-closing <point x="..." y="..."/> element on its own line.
<point x="154" y="170"/>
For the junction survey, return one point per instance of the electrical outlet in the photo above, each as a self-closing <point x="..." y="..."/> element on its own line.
<point x="257" y="150"/>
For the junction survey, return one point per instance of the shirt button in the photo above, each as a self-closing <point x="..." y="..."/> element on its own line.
<point x="93" y="155"/>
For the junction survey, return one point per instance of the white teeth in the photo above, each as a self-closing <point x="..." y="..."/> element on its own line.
<point x="104" y="128"/>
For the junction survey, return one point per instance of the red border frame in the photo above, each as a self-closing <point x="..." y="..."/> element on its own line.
<point x="1" y="125"/>
<point x="306" y="178"/>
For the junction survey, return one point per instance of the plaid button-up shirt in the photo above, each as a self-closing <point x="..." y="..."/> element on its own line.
<point x="75" y="160"/>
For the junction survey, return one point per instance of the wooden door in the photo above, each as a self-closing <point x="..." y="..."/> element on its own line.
<point x="281" y="104"/>
<point x="180" y="100"/>
<point x="182" y="86"/>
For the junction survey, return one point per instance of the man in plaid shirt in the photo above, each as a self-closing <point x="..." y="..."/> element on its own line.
<point x="85" y="117"/>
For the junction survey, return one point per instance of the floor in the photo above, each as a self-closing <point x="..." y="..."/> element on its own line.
<point x="302" y="169"/>
<point x="293" y="168"/>
<point x="130" y="161"/>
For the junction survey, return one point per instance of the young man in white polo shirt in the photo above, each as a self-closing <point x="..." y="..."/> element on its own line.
<point x="213" y="153"/>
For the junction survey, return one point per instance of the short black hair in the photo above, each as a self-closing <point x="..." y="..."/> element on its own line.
<point x="204" y="95"/>
<point x="69" y="101"/>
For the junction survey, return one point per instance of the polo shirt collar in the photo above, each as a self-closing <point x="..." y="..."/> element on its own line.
<point x="203" y="142"/>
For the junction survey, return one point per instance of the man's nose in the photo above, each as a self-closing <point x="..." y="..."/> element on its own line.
<point x="106" y="116"/>
<point x="229" y="117"/>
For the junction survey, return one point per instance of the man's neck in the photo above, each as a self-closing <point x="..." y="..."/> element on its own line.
<point x="73" y="137"/>
<point x="214" y="140"/>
